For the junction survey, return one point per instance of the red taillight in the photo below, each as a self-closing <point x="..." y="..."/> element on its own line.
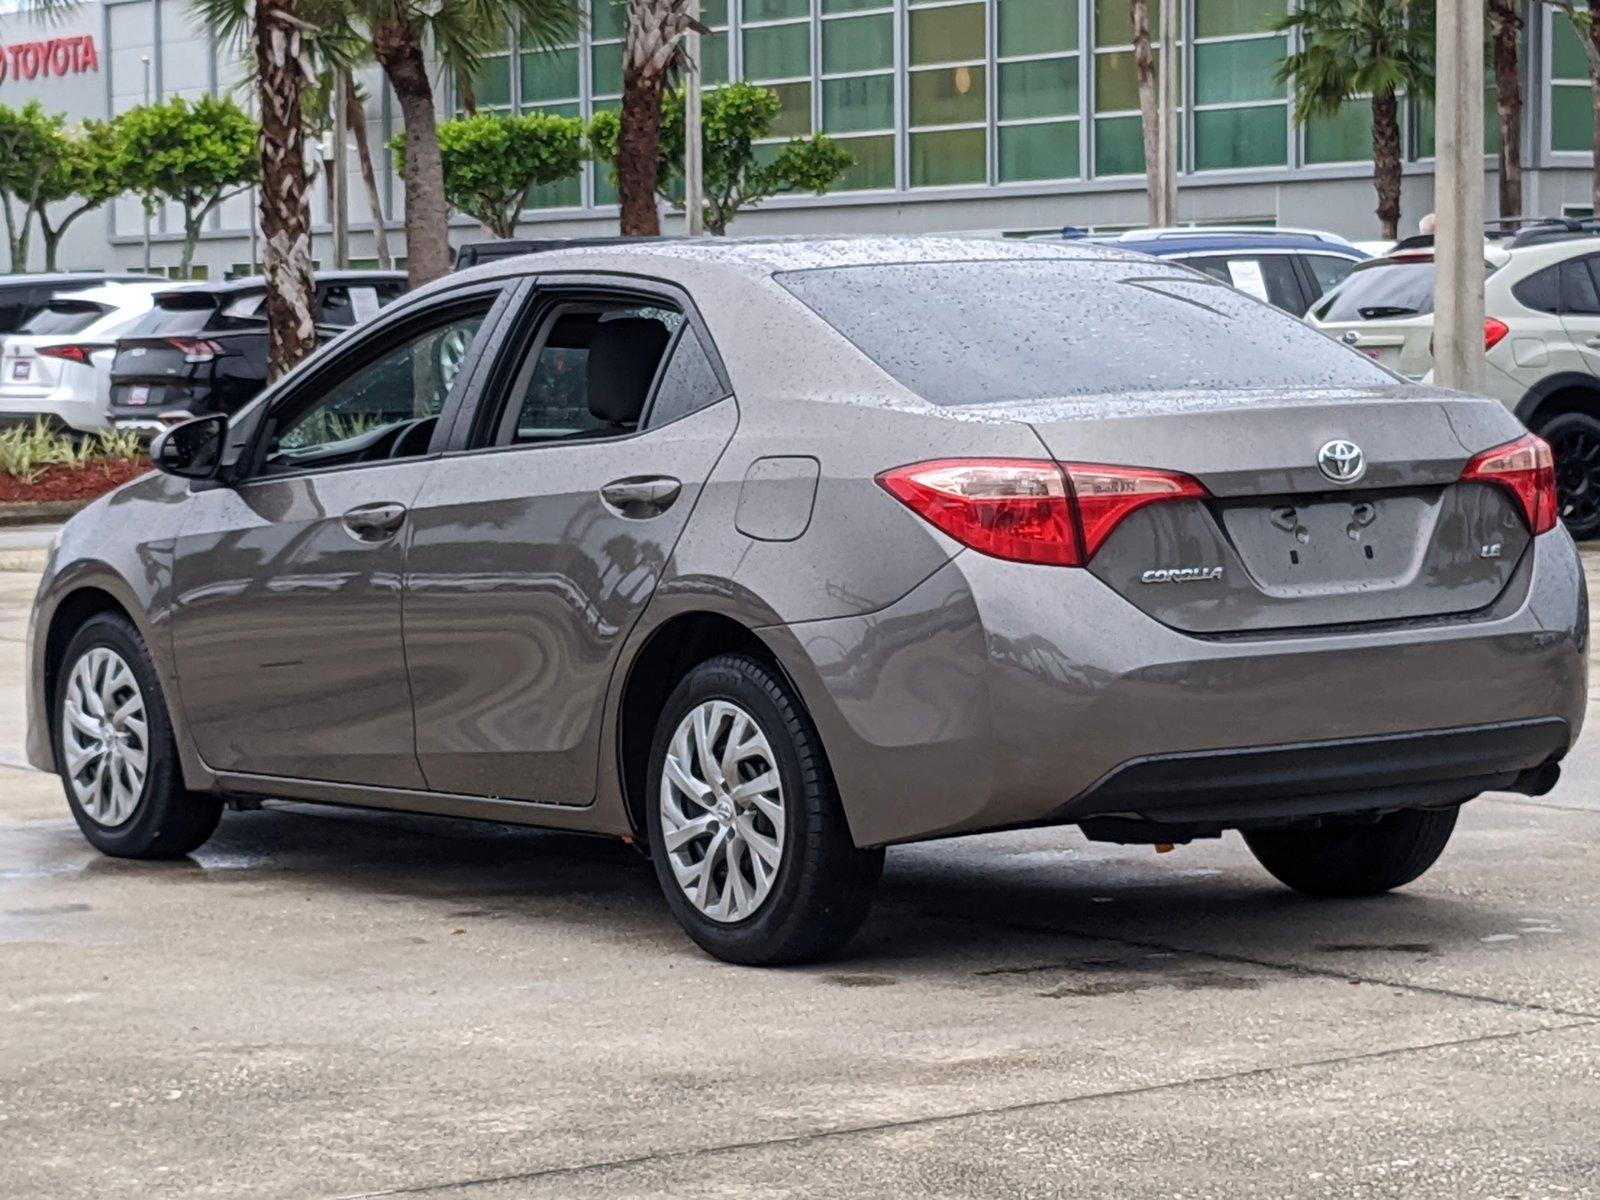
<point x="1493" y="332"/>
<point x="1526" y="469"/>
<point x="1031" y="510"/>
<point x="69" y="352"/>
<point x="196" y="350"/>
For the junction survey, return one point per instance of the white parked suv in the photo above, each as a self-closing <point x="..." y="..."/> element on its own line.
<point x="57" y="366"/>
<point x="1541" y="337"/>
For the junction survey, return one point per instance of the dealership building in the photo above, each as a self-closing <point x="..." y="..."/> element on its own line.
<point x="1009" y="115"/>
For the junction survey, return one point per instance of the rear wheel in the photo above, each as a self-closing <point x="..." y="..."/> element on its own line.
<point x="1355" y="860"/>
<point x="748" y="839"/>
<point x="116" y="751"/>
<point x="1574" y="439"/>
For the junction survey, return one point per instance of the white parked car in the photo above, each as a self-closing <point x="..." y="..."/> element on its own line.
<point x="57" y="366"/>
<point x="1541" y="338"/>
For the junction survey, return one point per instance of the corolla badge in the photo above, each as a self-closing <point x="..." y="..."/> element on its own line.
<point x="1342" y="461"/>
<point x="1181" y="575"/>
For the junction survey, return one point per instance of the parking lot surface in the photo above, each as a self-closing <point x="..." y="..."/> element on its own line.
<point x="327" y="1003"/>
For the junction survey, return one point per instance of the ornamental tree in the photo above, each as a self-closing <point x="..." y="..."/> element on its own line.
<point x="195" y="154"/>
<point x="738" y="173"/>
<point x="30" y="141"/>
<point x="492" y="163"/>
<point x="83" y="175"/>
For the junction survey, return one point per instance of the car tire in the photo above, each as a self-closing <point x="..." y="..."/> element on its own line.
<point x="803" y="887"/>
<point x="1574" y="439"/>
<point x="128" y="795"/>
<point x="1355" y="859"/>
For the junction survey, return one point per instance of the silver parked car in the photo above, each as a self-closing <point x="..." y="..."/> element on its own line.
<point x="769" y="555"/>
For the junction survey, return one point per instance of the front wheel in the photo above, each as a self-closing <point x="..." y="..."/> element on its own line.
<point x="116" y="751"/>
<point x="747" y="835"/>
<point x="1352" y="859"/>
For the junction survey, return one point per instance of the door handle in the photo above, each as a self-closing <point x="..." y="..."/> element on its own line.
<point x="641" y="496"/>
<point x="375" y="522"/>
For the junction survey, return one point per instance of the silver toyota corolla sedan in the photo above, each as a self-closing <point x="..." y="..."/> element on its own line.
<point x="768" y="555"/>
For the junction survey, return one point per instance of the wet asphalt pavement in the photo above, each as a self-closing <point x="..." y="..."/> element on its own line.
<point x="326" y="1003"/>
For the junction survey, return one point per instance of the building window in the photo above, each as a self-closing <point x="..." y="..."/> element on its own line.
<point x="1241" y="118"/>
<point x="777" y="55"/>
<point x="1345" y="137"/>
<point x="948" y="101"/>
<point x="547" y="82"/>
<point x="1037" y="83"/>
<point x="1118" y="133"/>
<point x="858" y="93"/>
<point x="1571" y="102"/>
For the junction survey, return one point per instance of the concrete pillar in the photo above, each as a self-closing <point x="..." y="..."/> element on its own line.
<point x="1458" y="354"/>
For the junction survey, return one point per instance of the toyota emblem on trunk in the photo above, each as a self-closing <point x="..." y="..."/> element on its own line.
<point x="1342" y="461"/>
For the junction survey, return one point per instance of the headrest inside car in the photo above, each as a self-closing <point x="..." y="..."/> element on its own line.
<point x="623" y="356"/>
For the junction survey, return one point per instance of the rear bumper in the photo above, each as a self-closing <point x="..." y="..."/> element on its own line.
<point x="84" y="413"/>
<point x="997" y="695"/>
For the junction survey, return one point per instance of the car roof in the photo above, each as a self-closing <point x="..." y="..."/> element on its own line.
<point x="759" y="257"/>
<point x="68" y="278"/>
<point x="115" y="292"/>
<point x="1168" y="245"/>
<point x="258" y="283"/>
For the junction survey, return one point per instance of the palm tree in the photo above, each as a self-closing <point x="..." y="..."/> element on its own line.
<point x="461" y="33"/>
<point x="1354" y="48"/>
<point x="1145" y="64"/>
<point x="652" y="53"/>
<point x="1505" y="33"/>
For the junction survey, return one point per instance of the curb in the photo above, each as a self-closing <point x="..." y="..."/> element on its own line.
<point x="40" y="514"/>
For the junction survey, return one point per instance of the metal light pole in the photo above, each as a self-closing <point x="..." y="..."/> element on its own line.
<point x="144" y="61"/>
<point x="340" y="177"/>
<point x="1167" y="113"/>
<point x="1458" y="355"/>
<point x="693" y="149"/>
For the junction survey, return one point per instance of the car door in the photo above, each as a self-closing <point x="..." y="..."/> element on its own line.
<point x="1580" y="310"/>
<point x="537" y="542"/>
<point x="286" y="584"/>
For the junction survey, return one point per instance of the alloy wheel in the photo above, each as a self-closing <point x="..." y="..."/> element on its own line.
<point x="1577" y="455"/>
<point x="105" y="737"/>
<point x="722" y="811"/>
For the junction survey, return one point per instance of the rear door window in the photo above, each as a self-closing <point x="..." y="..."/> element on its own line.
<point x="688" y="382"/>
<point x="1579" y="296"/>
<point x="1269" y="277"/>
<point x="1328" y="270"/>
<point x="1540" y="291"/>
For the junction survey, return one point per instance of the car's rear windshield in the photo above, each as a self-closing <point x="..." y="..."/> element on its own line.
<point x="1386" y="289"/>
<point x="162" y="321"/>
<point x="993" y="332"/>
<point x="65" y="316"/>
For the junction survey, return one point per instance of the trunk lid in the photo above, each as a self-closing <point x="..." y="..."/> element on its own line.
<point x="1279" y="544"/>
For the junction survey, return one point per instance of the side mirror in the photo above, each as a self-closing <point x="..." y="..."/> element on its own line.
<point x="192" y="450"/>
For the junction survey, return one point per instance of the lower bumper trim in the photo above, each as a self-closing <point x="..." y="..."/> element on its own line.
<point x="1217" y="789"/>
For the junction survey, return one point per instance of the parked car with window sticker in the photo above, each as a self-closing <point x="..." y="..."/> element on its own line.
<point x="765" y="556"/>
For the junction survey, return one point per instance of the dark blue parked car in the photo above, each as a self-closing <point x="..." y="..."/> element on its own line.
<point x="1291" y="268"/>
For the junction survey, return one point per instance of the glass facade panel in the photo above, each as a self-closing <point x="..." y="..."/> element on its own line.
<point x="777" y="52"/>
<point x="844" y="6"/>
<point x="1113" y="22"/>
<point x="608" y="19"/>
<point x="863" y="102"/>
<point x="1344" y="138"/>
<point x="549" y="75"/>
<point x="858" y="44"/>
<point x="1037" y="26"/>
<point x="794" y="117"/>
<point x="1045" y="87"/>
<point x="775" y="10"/>
<point x="947" y="35"/>
<point x="1422" y="116"/>
<point x="1118" y="146"/>
<point x="567" y="193"/>
<point x="1039" y="151"/>
<point x="714" y="58"/>
<point x="1116" y="81"/>
<point x="606" y="65"/>
<point x="950" y="96"/>
<point x="950" y="156"/>
<point x="1567" y="59"/>
<point x="1237" y="138"/>
<point x="1229" y="72"/>
<point x="491" y="88"/>
<point x="1223" y="18"/>
<point x="1571" y="118"/>
<point x="874" y="165"/>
